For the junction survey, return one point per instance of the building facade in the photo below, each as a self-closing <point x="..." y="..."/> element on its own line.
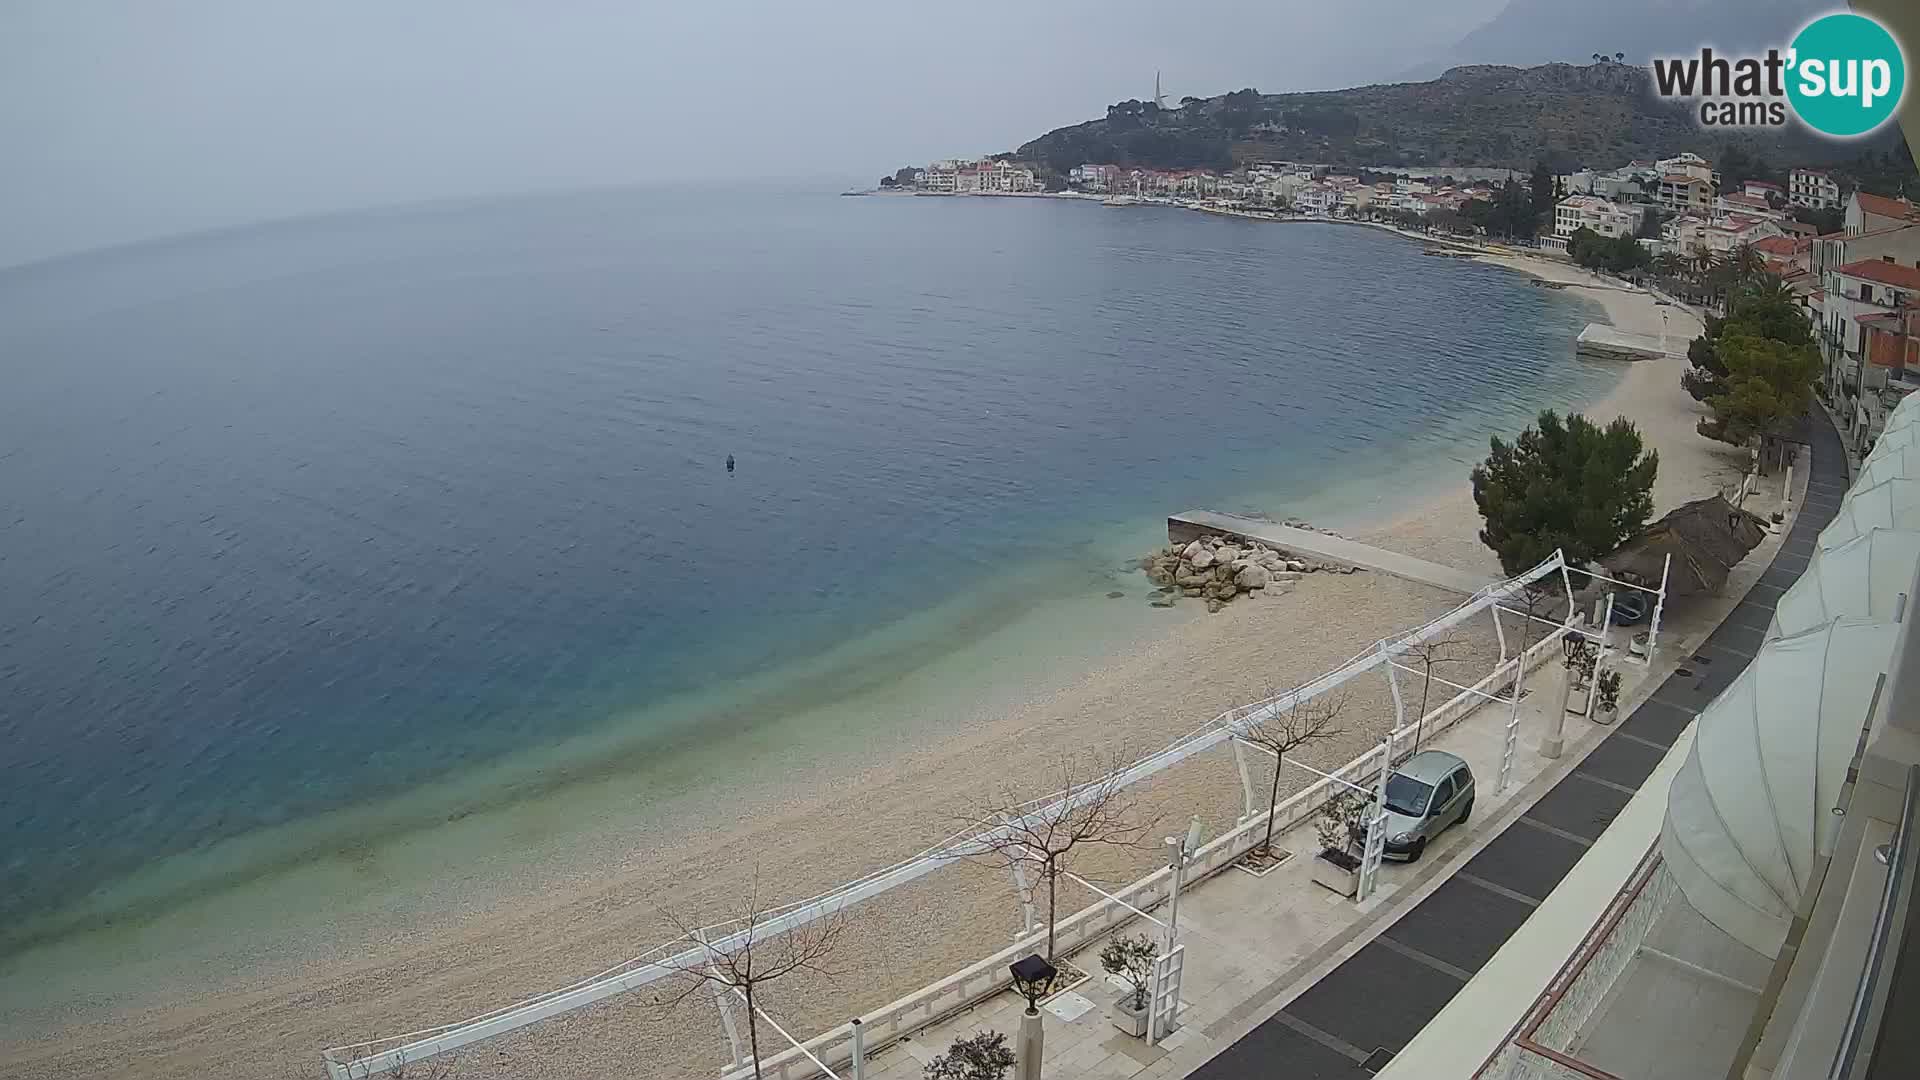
<point x="1814" y="188"/>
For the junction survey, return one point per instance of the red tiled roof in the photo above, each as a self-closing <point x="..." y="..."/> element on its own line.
<point x="1881" y="206"/>
<point x="1880" y="320"/>
<point x="1886" y="273"/>
<point x="1768" y="184"/>
<point x="1779" y="245"/>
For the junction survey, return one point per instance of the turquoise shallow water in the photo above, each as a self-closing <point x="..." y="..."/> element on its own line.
<point x="321" y="530"/>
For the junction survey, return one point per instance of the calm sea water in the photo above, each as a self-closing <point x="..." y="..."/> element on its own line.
<point x="301" y="516"/>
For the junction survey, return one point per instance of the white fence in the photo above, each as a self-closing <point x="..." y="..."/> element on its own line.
<point x="937" y="1001"/>
<point x="362" y="1061"/>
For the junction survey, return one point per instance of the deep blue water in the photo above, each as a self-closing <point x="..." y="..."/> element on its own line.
<point x="297" y="516"/>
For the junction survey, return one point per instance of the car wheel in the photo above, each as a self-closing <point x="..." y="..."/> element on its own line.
<point x="1465" y="812"/>
<point x="1418" y="849"/>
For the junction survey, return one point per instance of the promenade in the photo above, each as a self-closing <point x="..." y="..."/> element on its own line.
<point x="1283" y="977"/>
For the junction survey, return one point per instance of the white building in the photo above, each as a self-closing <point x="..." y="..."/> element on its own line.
<point x="1607" y="218"/>
<point x="941" y="176"/>
<point x="1813" y="187"/>
<point x="1317" y="199"/>
<point x="1861" y="289"/>
<point x="1692" y="165"/>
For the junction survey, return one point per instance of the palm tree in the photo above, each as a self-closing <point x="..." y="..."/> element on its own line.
<point x="1745" y="262"/>
<point x="1619" y="58"/>
<point x="1597" y="58"/>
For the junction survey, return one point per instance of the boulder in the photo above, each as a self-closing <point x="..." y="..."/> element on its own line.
<point x="1223" y="572"/>
<point x="1157" y="575"/>
<point x="1251" y="576"/>
<point x="1282" y="575"/>
<point x="1161" y="601"/>
<point x="1227" y="553"/>
<point x="1201" y="559"/>
<point x="1214" y="606"/>
<point x="1297" y="566"/>
<point x="1191" y="581"/>
<point x="1192" y="549"/>
<point x="1192" y="591"/>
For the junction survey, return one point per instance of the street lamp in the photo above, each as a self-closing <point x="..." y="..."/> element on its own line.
<point x="1032" y="978"/>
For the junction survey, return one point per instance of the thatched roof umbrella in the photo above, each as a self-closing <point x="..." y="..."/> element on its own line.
<point x="1707" y="539"/>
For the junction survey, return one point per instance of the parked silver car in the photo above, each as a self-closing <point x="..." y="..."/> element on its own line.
<point x="1432" y="790"/>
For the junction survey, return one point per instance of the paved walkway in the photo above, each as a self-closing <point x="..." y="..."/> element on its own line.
<point x="1324" y="548"/>
<point x="1349" y="1023"/>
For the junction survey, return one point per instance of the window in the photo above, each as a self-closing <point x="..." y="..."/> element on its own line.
<point x="1442" y="793"/>
<point x="1461" y="779"/>
<point x="1408" y="796"/>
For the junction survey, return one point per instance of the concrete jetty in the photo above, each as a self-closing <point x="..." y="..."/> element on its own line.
<point x="1602" y="342"/>
<point x="1188" y="526"/>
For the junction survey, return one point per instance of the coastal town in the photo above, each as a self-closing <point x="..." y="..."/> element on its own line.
<point x="1850" y="256"/>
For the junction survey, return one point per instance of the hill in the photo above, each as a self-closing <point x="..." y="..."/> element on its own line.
<point x="1544" y="31"/>
<point x="1599" y="114"/>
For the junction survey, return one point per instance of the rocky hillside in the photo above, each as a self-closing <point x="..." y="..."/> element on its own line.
<point x="1568" y="115"/>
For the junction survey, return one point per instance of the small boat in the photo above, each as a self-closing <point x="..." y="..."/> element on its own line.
<point x="1121" y="200"/>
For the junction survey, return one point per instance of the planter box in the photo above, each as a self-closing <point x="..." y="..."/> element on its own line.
<point x="1127" y="1019"/>
<point x="1334" y="876"/>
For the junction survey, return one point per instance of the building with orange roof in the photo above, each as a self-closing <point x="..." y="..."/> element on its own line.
<point x="1867" y="213"/>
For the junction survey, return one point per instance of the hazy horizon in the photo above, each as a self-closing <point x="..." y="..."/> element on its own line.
<point x="126" y="122"/>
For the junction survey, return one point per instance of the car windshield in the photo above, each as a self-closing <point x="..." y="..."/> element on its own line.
<point x="1408" y="796"/>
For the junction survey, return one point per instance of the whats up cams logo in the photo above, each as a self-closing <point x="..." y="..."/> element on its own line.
<point x="1843" y="76"/>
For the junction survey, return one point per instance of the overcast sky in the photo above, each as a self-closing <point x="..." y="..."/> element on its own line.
<point x="127" y="120"/>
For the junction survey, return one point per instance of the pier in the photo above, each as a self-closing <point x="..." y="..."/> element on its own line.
<point x="1320" y="547"/>
<point x="1602" y="342"/>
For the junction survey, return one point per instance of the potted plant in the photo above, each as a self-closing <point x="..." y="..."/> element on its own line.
<point x="1131" y="959"/>
<point x="1609" y="697"/>
<point x="1336" y="867"/>
<point x="984" y="1055"/>
<point x="1580" y="662"/>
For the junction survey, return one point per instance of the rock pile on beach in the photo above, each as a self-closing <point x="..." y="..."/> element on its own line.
<point x="1219" y="568"/>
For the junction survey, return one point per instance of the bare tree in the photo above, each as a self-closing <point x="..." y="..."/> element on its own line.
<point x="1433" y="653"/>
<point x="760" y="956"/>
<point x="1282" y="733"/>
<point x="1089" y="809"/>
<point x="1534" y="599"/>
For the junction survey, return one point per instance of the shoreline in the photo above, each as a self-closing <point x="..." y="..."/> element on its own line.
<point x="545" y="926"/>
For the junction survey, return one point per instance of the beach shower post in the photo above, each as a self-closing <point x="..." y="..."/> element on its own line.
<point x="1183" y="848"/>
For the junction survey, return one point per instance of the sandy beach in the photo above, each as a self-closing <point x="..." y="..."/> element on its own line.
<point x="515" y="929"/>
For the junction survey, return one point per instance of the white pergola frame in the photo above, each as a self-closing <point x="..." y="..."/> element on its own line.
<point x="372" y="1058"/>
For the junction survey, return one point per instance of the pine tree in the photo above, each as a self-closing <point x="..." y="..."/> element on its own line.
<point x="1567" y="485"/>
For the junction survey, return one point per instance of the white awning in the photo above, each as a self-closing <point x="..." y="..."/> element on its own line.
<point x="1749" y="810"/>
<point x="1896" y="464"/>
<point x="1905" y="413"/>
<point x="1863" y="578"/>
<point x="1889" y="504"/>
<point x="1892" y="439"/>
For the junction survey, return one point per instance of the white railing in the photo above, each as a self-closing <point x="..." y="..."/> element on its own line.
<point x="936" y="1001"/>
<point x="370" y="1059"/>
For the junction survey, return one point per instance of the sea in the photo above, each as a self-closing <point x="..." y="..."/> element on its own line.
<point x="323" y="532"/>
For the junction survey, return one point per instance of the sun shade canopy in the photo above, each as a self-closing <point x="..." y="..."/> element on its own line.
<point x="1889" y="504"/>
<point x="1751" y="808"/>
<point x="1863" y="578"/>
<point x="1707" y="539"/>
